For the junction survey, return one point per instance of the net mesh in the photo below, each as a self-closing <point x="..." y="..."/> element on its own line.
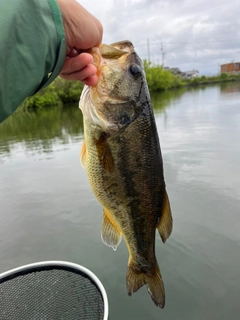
<point x="49" y="294"/>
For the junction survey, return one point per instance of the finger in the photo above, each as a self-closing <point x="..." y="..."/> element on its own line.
<point x="82" y="29"/>
<point x="76" y="63"/>
<point x="91" y="81"/>
<point x="89" y="71"/>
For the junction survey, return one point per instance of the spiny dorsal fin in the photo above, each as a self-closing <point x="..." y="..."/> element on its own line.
<point x="104" y="153"/>
<point x="111" y="236"/>
<point x="165" y="223"/>
<point x="83" y="154"/>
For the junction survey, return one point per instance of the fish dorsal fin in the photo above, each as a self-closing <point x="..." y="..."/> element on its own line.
<point x="165" y="223"/>
<point x="104" y="153"/>
<point x="83" y="154"/>
<point x="111" y="236"/>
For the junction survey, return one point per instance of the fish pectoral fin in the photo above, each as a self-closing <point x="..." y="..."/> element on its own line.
<point x="136" y="278"/>
<point x="165" y="223"/>
<point x="111" y="236"/>
<point x="104" y="153"/>
<point x="83" y="154"/>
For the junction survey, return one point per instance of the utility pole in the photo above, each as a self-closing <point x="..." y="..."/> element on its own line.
<point x="219" y="63"/>
<point x="148" y="48"/>
<point x="163" y="54"/>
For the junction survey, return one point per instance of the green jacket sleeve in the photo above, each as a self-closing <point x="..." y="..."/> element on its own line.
<point x="32" y="47"/>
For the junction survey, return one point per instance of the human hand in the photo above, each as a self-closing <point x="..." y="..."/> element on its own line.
<point x="83" y="31"/>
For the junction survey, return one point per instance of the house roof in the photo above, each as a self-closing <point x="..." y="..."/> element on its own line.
<point x="225" y="64"/>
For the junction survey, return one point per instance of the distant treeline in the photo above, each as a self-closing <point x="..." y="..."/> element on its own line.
<point x="61" y="92"/>
<point x="159" y="79"/>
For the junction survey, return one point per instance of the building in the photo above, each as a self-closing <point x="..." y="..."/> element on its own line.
<point x="190" y="74"/>
<point x="233" y="67"/>
<point x="175" y="71"/>
<point x="185" y="74"/>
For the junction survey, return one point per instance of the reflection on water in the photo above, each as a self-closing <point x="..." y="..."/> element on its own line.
<point x="49" y="212"/>
<point x="39" y="130"/>
<point x="226" y="88"/>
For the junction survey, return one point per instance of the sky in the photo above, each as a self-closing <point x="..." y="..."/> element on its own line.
<point x="186" y="34"/>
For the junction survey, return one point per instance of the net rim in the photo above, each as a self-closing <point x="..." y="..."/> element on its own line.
<point x="67" y="264"/>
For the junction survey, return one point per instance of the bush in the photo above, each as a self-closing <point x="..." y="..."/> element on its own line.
<point x="159" y="79"/>
<point x="223" y="76"/>
<point x="68" y="91"/>
<point x="59" y="92"/>
<point x="196" y="81"/>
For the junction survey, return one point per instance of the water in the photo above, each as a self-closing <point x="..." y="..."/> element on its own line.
<point x="48" y="212"/>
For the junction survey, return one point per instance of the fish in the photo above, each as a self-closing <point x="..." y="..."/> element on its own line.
<point x="122" y="156"/>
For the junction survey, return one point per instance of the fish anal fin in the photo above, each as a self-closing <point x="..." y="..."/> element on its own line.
<point x="104" y="153"/>
<point x="165" y="223"/>
<point x="136" y="278"/>
<point x="111" y="236"/>
<point x="83" y="154"/>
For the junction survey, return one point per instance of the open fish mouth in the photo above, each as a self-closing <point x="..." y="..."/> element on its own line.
<point x="113" y="51"/>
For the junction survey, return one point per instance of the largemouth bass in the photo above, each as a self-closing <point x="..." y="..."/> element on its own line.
<point x="122" y="156"/>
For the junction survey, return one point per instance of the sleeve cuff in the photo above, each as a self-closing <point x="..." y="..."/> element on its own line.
<point x="62" y="46"/>
<point x="57" y="68"/>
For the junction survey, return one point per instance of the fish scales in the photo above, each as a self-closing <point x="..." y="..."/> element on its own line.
<point x="122" y="156"/>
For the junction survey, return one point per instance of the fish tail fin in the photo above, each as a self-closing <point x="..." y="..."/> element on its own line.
<point x="136" y="279"/>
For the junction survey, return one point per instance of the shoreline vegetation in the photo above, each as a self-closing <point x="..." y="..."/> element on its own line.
<point x="61" y="92"/>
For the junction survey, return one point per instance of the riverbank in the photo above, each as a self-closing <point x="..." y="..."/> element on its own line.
<point x="61" y="92"/>
<point x="58" y="93"/>
<point x="159" y="79"/>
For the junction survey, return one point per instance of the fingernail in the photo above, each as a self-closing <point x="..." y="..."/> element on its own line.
<point x="73" y="53"/>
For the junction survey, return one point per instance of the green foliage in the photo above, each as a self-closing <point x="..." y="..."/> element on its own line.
<point x="159" y="79"/>
<point x="196" y="81"/>
<point x="61" y="92"/>
<point x="68" y="91"/>
<point x="223" y="76"/>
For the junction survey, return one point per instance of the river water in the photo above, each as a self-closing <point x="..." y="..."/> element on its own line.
<point x="48" y="212"/>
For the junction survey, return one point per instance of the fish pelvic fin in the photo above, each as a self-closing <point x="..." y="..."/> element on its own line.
<point x="165" y="223"/>
<point x="136" y="278"/>
<point x="83" y="154"/>
<point x="111" y="236"/>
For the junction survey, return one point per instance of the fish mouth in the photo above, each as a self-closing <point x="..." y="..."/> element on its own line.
<point x="109" y="60"/>
<point x="124" y="45"/>
<point x="112" y="52"/>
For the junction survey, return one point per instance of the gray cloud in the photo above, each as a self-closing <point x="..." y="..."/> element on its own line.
<point x="199" y="34"/>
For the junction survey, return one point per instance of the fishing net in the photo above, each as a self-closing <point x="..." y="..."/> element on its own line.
<point x="49" y="291"/>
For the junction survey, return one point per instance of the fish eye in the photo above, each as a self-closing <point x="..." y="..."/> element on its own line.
<point x="135" y="70"/>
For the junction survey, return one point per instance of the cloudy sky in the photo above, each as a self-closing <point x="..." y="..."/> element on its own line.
<point x="188" y="34"/>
